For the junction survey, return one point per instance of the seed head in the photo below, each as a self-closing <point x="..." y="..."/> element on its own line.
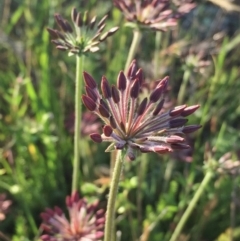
<point x="135" y="124"/>
<point x="84" y="37"/>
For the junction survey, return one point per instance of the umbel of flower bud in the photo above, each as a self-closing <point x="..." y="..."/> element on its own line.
<point x="85" y="221"/>
<point x="86" y="35"/>
<point x="134" y="124"/>
<point x="153" y="14"/>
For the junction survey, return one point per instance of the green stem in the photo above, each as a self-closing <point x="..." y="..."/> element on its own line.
<point x="183" y="87"/>
<point x="137" y="35"/>
<point x="191" y="206"/>
<point x="109" y="225"/>
<point x="77" y="124"/>
<point x="157" y="52"/>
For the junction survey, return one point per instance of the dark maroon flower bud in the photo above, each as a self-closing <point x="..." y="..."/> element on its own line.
<point x="142" y="106"/>
<point x="91" y="93"/>
<point x="106" y="89"/>
<point x="156" y="95"/>
<point x="179" y="146"/>
<point x="89" y="81"/>
<point x="115" y="94"/>
<point x="96" y="137"/>
<point x="79" y="20"/>
<point x="189" y="110"/>
<point x="89" y="103"/>
<point x="158" y="107"/>
<point x="177" y="111"/>
<point x="121" y="81"/>
<point x="177" y="122"/>
<point x="103" y="111"/>
<point x="191" y="128"/>
<point x="134" y="91"/>
<point x="74" y="15"/>
<point x="52" y="33"/>
<point x="112" y="122"/>
<point x="132" y="70"/>
<point x="107" y="130"/>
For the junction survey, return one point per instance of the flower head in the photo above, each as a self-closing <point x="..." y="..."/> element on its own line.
<point x="86" y="222"/>
<point x="136" y="124"/>
<point x="88" y="33"/>
<point x="154" y="14"/>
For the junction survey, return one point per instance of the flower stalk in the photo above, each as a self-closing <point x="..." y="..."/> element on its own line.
<point x="77" y="122"/>
<point x="109" y="225"/>
<point x="137" y="35"/>
<point x="191" y="205"/>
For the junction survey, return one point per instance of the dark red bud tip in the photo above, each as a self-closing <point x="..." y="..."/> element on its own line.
<point x="177" y="110"/>
<point x="52" y="33"/>
<point x="106" y="90"/>
<point x="177" y="122"/>
<point x="132" y="70"/>
<point x="189" y="110"/>
<point x="107" y="130"/>
<point x="115" y="94"/>
<point x="142" y="106"/>
<point x="156" y="94"/>
<point x="89" y="103"/>
<point x="89" y="81"/>
<point x="121" y="81"/>
<point x="135" y="89"/>
<point x="179" y="146"/>
<point x="158" y="107"/>
<point x="163" y="83"/>
<point x="191" y="128"/>
<point x="96" y="137"/>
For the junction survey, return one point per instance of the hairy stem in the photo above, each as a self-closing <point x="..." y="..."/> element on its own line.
<point x="110" y="220"/>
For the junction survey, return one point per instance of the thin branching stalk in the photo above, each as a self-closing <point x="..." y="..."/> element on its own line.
<point x="77" y="124"/>
<point x="191" y="205"/>
<point x="110" y="220"/>
<point x="137" y="35"/>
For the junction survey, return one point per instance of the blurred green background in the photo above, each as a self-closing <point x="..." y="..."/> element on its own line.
<point x="201" y="56"/>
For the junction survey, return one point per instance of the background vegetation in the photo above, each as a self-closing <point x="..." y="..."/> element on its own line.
<point x="201" y="57"/>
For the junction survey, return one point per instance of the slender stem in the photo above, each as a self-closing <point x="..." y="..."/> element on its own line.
<point x="157" y="52"/>
<point x="77" y="123"/>
<point x="137" y="35"/>
<point x="109" y="225"/>
<point x="191" y="206"/>
<point x="183" y="87"/>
